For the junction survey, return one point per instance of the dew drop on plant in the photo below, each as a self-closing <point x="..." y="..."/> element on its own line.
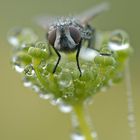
<point x="94" y="135"/>
<point x="18" y="68"/>
<point x="45" y="96"/>
<point x="65" y="108"/>
<point x="35" y="88"/>
<point x="20" y="36"/>
<point x="104" y="89"/>
<point x="77" y="136"/>
<point x="110" y="82"/>
<point x="88" y="54"/>
<point x="13" y="41"/>
<point x="68" y="94"/>
<point x="64" y="83"/>
<point x="130" y="103"/>
<point x="116" y="47"/>
<point x="29" y="71"/>
<point x="27" y="83"/>
<point x="65" y="80"/>
<point x="98" y="85"/>
<point x="14" y="59"/>
<point x="16" y="65"/>
<point x="118" y="41"/>
<point x="55" y="101"/>
<point x="41" y="45"/>
<point x="131" y="119"/>
<point x="43" y="65"/>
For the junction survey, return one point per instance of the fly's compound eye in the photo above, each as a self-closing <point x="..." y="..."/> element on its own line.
<point x="51" y="37"/>
<point x="75" y="34"/>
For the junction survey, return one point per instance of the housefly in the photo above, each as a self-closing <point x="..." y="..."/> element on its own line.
<point x="66" y="34"/>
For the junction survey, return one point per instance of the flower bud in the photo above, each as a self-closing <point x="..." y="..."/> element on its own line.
<point x="104" y="60"/>
<point x="37" y="53"/>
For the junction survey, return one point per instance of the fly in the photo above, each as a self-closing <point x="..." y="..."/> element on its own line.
<point x="67" y="34"/>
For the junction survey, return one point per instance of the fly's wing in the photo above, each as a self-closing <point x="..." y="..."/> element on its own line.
<point x="89" y="15"/>
<point x="46" y="21"/>
<point x="84" y="18"/>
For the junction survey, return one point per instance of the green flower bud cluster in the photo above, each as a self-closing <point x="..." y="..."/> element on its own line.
<point x="100" y="69"/>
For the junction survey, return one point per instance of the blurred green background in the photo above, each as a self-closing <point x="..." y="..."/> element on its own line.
<point x="24" y="116"/>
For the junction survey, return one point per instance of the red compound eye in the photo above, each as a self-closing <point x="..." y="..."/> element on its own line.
<point x="51" y="37"/>
<point x="75" y="34"/>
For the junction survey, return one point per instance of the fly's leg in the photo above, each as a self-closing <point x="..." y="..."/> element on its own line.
<point x="77" y="57"/>
<point x="59" y="57"/>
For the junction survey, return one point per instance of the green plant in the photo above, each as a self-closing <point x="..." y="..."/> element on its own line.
<point x="100" y="69"/>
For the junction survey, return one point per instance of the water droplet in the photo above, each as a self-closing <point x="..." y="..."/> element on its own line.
<point x="65" y="108"/>
<point x="88" y="54"/>
<point x="118" y="41"/>
<point x="94" y="135"/>
<point x="131" y="120"/>
<point x="55" y="101"/>
<point x="27" y="83"/>
<point x="45" y="96"/>
<point x="98" y="85"/>
<point x="21" y="36"/>
<point x="130" y="103"/>
<point x="110" y="82"/>
<point x="43" y="65"/>
<point x="77" y="136"/>
<point x="42" y="45"/>
<point x="29" y="71"/>
<point x="69" y="93"/>
<point x="36" y="88"/>
<point x="104" y="89"/>
<point x="14" y="59"/>
<point x="13" y="41"/>
<point x="18" y="68"/>
<point x="116" y="47"/>
<point x="64" y="83"/>
<point x="17" y="63"/>
<point x="65" y="80"/>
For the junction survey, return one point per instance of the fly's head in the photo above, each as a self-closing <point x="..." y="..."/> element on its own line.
<point x="64" y="37"/>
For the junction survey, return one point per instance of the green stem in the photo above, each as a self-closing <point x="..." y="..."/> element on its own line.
<point x="84" y="127"/>
<point x="40" y="78"/>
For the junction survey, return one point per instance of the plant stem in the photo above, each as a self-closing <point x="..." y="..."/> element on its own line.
<point x="130" y="102"/>
<point x="40" y="78"/>
<point x="81" y="118"/>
